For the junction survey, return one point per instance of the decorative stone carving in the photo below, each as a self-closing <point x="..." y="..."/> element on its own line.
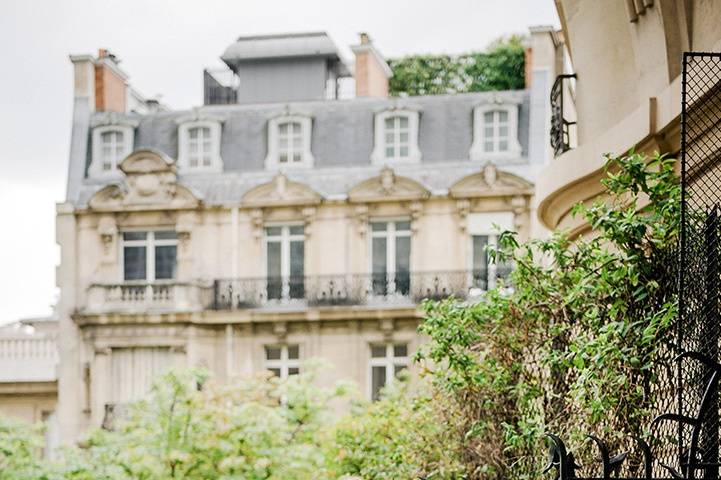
<point x="108" y="230"/>
<point x="256" y="220"/>
<point x="387" y="186"/>
<point x="361" y="215"/>
<point x="150" y="182"/>
<point x="463" y="206"/>
<point x="386" y="326"/>
<point x="490" y="182"/>
<point x="280" y="330"/>
<point x="416" y="209"/>
<point x="184" y="228"/>
<point x="281" y="192"/>
<point x="308" y="214"/>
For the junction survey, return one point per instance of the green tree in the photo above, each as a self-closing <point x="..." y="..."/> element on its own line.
<point x="500" y="67"/>
<point x="571" y="346"/>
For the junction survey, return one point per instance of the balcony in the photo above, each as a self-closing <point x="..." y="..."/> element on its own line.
<point x="147" y="297"/>
<point x="401" y="289"/>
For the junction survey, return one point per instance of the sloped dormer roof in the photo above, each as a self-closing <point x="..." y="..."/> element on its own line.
<point x="286" y="45"/>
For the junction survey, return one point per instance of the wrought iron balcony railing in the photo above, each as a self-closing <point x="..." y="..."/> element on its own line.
<point x="407" y="288"/>
<point x="560" y="126"/>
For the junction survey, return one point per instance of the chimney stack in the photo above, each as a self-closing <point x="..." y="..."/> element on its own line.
<point x="371" y="70"/>
<point x="101" y="81"/>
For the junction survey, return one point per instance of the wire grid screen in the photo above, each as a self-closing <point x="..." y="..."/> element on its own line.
<point x="700" y="257"/>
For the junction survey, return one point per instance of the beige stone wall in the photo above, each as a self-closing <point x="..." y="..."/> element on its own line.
<point x="627" y="91"/>
<point x="27" y="402"/>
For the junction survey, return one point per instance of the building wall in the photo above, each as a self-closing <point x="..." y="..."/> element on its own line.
<point x="285" y="79"/>
<point x="627" y="92"/>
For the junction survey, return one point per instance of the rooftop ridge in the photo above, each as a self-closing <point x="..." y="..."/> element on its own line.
<point x="281" y="35"/>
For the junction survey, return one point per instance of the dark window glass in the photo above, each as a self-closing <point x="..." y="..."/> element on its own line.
<point x="398" y="368"/>
<point x="403" y="263"/>
<point x="296" y="269"/>
<point x="378" y="381"/>
<point x="135" y="235"/>
<point x="293" y="371"/>
<point x="166" y="235"/>
<point x="134" y="263"/>
<point x="275" y="371"/>
<point x="275" y="284"/>
<point x="165" y="262"/>
<point x="400" y="350"/>
<point x="272" y="353"/>
<point x="480" y="262"/>
<point x="380" y="282"/>
<point x="378" y="351"/>
<point x="293" y="352"/>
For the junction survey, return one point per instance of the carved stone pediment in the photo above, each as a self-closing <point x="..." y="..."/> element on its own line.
<point x="387" y="187"/>
<point x="490" y="182"/>
<point x="150" y="182"/>
<point x="281" y="192"/>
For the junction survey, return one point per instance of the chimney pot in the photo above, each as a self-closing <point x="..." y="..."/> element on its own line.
<point x="364" y="38"/>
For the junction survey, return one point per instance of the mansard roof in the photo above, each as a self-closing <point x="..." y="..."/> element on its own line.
<point x="341" y="142"/>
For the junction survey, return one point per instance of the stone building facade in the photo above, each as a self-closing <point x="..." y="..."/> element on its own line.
<point x="248" y="235"/>
<point x="627" y="57"/>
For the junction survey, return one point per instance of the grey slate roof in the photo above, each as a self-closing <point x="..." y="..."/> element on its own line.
<point x="341" y="142"/>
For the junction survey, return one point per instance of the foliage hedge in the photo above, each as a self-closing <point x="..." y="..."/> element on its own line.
<point x="501" y="67"/>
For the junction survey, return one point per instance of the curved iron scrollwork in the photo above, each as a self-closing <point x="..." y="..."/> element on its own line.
<point x="691" y="464"/>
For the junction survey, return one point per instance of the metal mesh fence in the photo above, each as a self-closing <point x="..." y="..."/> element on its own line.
<point x="700" y="258"/>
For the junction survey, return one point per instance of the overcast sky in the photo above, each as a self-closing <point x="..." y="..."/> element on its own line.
<point x="164" y="46"/>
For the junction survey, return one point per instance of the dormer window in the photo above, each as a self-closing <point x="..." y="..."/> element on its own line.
<point x="111" y="144"/>
<point x="289" y="143"/>
<point x="495" y="132"/>
<point x="199" y="146"/>
<point x="396" y="137"/>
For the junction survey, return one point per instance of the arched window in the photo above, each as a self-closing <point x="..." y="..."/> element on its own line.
<point x="396" y="137"/>
<point x="199" y="146"/>
<point x="111" y="144"/>
<point x="289" y="143"/>
<point x="495" y="132"/>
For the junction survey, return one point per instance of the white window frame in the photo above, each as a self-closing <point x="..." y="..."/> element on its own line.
<point x="478" y="150"/>
<point x="285" y="239"/>
<point x="150" y="242"/>
<point x="272" y="160"/>
<point x="390" y="234"/>
<point x="216" y="162"/>
<point x="378" y="156"/>
<point x="284" y="364"/>
<point x="389" y="362"/>
<point x="96" y="165"/>
<point x="482" y="224"/>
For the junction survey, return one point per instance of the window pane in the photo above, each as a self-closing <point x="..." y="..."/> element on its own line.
<point x="166" y="235"/>
<point x="398" y="368"/>
<point x="193" y="133"/>
<point x="400" y="350"/>
<point x="503" y="145"/>
<point x="272" y="353"/>
<point x="389" y="152"/>
<point x="297" y="158"/>
<point x="488" y="117"/>
<point x="404" y="137"/>
<point x="134" y="235"/>
<point x="293" y="352"/>
<point x="134" y="265"/>
<point x="165" y="262"/>
<point x="275" y="371"/>
<point x="403" y="254"/>
<point x="503" y="116"/>
<point x="283" y="158"/>
<point x="379" y="226"/>
<point x="378" y="351"/>
<point x="296" y="128"/>
<point x="389" y="137"/>
<point x="283" y="129"/>
<point x="283" y="143"/>
<point x="293" y="371"/>
<point x="379" y="255"/>
<point x="389" y="123"/>
<point x="273" y="231"/>
<point x="403" y="226"/>
<point x="403" y="152"/>
<point x="296" y="269"/>
<point x="503" y="131"/>
<point x="378" y="381"/>
<point x="404" y="122"/>
<point x="480" y="256"/>
<point x="296" y="230"/>
<point x="273" y="264"/>
<point x="488" y="146"/>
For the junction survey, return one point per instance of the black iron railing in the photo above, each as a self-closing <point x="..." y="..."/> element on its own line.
<point x="353" y="289"/>
<point x="560" y="126"/>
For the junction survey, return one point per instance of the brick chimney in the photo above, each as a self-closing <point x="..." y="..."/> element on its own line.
<point x="371" y="70"/>
<point x="110" y="83"/>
